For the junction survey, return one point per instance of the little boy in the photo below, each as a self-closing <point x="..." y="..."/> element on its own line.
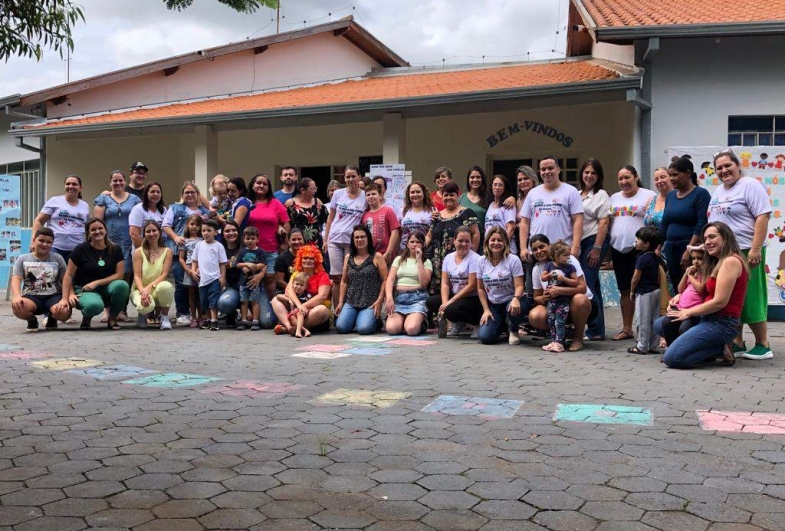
<point x="645" y="290"/>
<point x="383" y="223"/>
<point x="250" y="260"/>
<point x="209" y="261"/>
<point x="295" y="316"/>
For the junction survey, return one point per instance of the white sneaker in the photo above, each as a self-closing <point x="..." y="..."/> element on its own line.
<point x="456" y="329"/>
<point x="476" y="333"/>
<point x="184" y="320"/>
<point x="141" y="321"/>
<point x="514" y="339"/>
<point x="166" y="324"/>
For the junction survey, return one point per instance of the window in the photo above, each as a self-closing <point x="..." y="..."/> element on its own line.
<point x="756" y="130"/>
<point x="569" y="167"/>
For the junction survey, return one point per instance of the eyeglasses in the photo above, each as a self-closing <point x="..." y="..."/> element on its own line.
<point x="189" y="193"/>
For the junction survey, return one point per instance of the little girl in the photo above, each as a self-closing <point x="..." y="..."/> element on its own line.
<point x="558" y="272"/>
<point x="220" y="203"/>
<point x="192" y="234"/>
<point x="299" y="283"/>
<point x="691" y="293"/>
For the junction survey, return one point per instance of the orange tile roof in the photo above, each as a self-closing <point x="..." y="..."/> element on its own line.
<point x="626" y="13"/>
<point x="367" y="89"/>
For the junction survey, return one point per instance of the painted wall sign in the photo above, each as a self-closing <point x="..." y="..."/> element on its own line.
<point x="533" y="127"/>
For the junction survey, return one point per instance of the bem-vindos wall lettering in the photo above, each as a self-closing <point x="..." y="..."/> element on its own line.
<point x="535" y="127"/>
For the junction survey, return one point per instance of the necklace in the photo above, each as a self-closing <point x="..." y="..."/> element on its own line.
<point x="101" y="262"/>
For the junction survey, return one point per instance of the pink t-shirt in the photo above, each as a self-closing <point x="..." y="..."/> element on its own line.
<point x="690" y="298"/>
<point x="266" y="218"/>
<point x="381" y="223"/>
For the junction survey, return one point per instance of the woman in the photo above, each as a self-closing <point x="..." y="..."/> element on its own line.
<point x="583" y="304"/>
<point x="656" y="207"/>
<point x="628" y="207"/>
<point x="406" y="289"/>
<point x="499" y="215"/>
<point x="439" y="241"/>
<point x="269" y="216"/>
<point x="317" y="308"/>
<point x="229" y="300"/>
<point x="151" y="207"/>
<point x="684" y="217"/>
<point x="307" y="213"/>
<point x="94" y="277"/>
<point x="332" y="186"/>
<point x="115" y="208"/>
<point x="477" y="196"/>
<point x="175" y="220"/>
<point x="284" y="264"/>
<point x="743" y="204"/>
<point x="347" y="207"/>
<point x="152" y="265"/>
<point x="500" y="289"/>
<point x="65" y="215"/>
<point x="418" y="211"/>
<point x="458" y="301"/>
<point x="362" y="286"/>
<point x="713" y="336"/>
<point x="441" y="176"/>
<point x="527" y="180"/>
<point x="594" y="243"/>
<point x="241" y="205"/>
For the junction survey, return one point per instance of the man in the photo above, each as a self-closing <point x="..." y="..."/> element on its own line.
<point x="289" y="188"/>
<point x="136" y="179"/>
<point x="554" y="209"/>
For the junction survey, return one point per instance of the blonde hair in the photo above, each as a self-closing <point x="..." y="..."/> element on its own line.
<point x="218" y="177"/>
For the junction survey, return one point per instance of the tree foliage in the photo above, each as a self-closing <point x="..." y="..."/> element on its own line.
<point x="27" y="27"/>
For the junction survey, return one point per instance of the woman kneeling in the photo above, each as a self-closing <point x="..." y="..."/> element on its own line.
<point x="500" y="288"/>
<point x="406" y="289"/>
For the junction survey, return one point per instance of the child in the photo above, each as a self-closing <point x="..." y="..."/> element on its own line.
<point x="691" y="293"/>
<point x="383" y="223"/>
<point x="558" y="272"/>
<point x="209" y="262"/>
<point x="250" y="260"/>
<point x="299" y="282"/>
<point x="645" y="290"/>
<point x="220" y="203"/>
<point x="192" y="234"/>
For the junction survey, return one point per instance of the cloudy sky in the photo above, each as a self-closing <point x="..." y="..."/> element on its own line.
<point x="123" y="33"/>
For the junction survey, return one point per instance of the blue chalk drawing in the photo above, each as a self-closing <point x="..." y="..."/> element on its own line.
<point x="113" y="372"/>
<point x="610" y="290"/>
<point x="172" y="379"/>
<point x="368" y="351"/>
<point x="603" y="414"/>
<point x="9" y="347"/>
<point x="473" y="406"/>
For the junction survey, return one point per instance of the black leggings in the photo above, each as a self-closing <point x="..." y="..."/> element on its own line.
<point x="466" y="310"/>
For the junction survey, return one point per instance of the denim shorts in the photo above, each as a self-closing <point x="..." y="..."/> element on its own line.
<point x="407" y="302"/>
<point x="208" y="295"/>
<point x="271" y="258"/>
<point x="250" y="295"/>
<point x="44" y="304"/>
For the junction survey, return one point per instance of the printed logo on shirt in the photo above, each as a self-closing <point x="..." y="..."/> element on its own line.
<point x="66" y="219"/>
<point x="626" y="211"/>
<point x="553" y="209"/>
<point x="345" y="209"/>
<point x="722" y="208"/>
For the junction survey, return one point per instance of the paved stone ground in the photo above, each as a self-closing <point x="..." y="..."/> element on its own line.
<point x="267" y="453"/>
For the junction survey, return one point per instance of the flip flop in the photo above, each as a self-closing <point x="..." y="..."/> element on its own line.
<point x="576" y="346"/>
<point x="636" y="350"/>
<point x="623" y="335"/>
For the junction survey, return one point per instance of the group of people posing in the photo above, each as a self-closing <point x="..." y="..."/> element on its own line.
<point x="499" y="259"/>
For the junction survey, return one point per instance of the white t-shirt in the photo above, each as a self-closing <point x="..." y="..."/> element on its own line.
<point x="550" y="211"/>
<point x="596" y="206"/>
<point x="498" y="217"/>
<point x="210" y="256"/>
<point x="414" y="221"/>
<point x="739" y="206"/>
<point x="627" y="214"/>
<point x="537" y="275"/>
<point x="458" y="274"/>
<point x="348" y="213"/>
<point x="139" y="215"/>
<point x="66" y="221"/>
<point x="498" y="280"/>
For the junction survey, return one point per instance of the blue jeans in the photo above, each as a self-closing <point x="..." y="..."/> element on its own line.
<point x="489" y="332"/>
<point x="703" y="342"/>
<point x="595" y="327"/>
<point x="229" y="302"/>
<point x="350" y="317"/>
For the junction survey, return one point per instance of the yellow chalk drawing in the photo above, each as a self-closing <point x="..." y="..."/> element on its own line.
<point x="359" y="397"/>
<point x="61" y="364"/>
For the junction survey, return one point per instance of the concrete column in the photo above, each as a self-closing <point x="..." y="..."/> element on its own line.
<point x="205" y="154"/>
<point x="394" y="138"/>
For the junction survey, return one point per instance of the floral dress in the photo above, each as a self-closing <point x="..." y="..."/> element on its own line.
<point x="442" y="235"/>
<point x="310" y="220"/>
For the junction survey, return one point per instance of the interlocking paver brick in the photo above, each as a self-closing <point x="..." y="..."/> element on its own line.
<point x="565" y="521"/>
<point x="442" y="499"/>
<point x="454" y="520"/>
<point x="75" y="507"/>
<point x="553" y="500"/>
<point x="120" y="518"/>
<point x="137" y="499"/>
<point x="16" y="515"/>
<point x="611" y="510"/>
<point x="47" y="523"/>
<point x="674" y="521"/>
<point x="343" y="519"/>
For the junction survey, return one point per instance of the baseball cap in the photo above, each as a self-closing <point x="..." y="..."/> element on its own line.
<point x="138" y="166"/>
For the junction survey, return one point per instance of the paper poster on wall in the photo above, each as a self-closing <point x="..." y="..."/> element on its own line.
<point x="10" y="224"/>
<point x="395" y="175"/>
<point x="767" y="165"/>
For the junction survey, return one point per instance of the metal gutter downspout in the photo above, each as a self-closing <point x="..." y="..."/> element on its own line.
<point x="651" y="52"/>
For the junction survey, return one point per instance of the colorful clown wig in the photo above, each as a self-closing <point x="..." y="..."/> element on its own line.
<point x="310" y="251"/>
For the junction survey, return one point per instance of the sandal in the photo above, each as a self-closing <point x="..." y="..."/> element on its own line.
<point x="728" y="358"/>
<point x="112" y="324"/>
<point x="85" y="325"/>
<point x="636" y="350"/>
<point x="621" y="336"/>
<point x="576" y="346"/>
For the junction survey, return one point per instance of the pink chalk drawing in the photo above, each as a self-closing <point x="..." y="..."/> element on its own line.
<point x="25" y="355"/>
<point x="324" y="348"/>
<point x="253" y="389"/>
<point x="742" y="421"/>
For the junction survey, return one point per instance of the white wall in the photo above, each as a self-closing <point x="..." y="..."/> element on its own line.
<point x="308" y="60"/>
<point x="698" y="83"/>
<point x="8" y="151"/>
<point x="617" y="53"/>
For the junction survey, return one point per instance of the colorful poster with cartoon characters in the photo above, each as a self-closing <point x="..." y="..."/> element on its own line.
<point x="767" y="165"/>
<point x="10" y="223"/>
<point x="395" y="175"/>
